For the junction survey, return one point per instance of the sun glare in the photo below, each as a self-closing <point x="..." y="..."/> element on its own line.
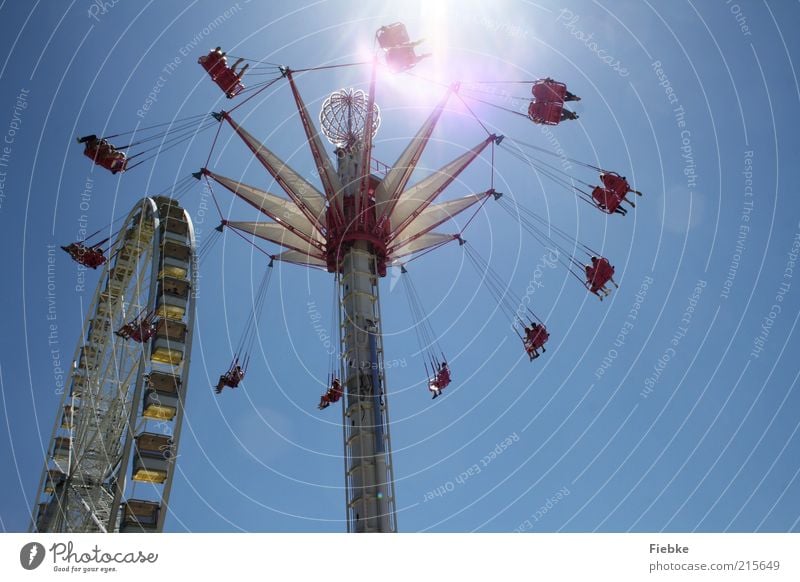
<point x="436" y="32"/>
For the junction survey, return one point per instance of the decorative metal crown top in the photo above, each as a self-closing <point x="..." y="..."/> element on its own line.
<point x="344" y="115"/>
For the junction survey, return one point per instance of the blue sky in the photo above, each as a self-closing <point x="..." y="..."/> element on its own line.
<point x="707" y="441"/>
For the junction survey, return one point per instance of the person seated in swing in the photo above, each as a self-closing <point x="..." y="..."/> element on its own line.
<point x="536" y="336"/>
<point x="226" y="78"/>
<point x="443" y="376"/>
<point x="613" y="197"/>
<point x="87" y="256"/>
<point x="214" y="62"/>
<point x="617" y="184"/>
<point x="592" y="283"/>
<point x="608" y="201"/>
<point x="551" y="91"/>
<point x="598" y="274"/>
<point x="335" y="392"/>
<point x="440" y="381"/>
<point x="143" y="330"/>
<point x="236" y="376"/>
<point x="92" y="143"/>
<point x="324" y="401"/>
<point x="103" y="153"/>
<point x="231" y="378"/>
<point x="229" y="82"/>
<point x="549" y="113"/>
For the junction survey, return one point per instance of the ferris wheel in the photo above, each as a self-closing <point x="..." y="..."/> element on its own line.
<point x="113" y="446"/>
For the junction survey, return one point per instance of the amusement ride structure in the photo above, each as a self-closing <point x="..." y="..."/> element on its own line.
<point x="131" y="368"/>
<point x="124" y="407"/>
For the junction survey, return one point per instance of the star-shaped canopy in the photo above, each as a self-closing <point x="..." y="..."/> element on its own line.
<point x="311" y="223"/>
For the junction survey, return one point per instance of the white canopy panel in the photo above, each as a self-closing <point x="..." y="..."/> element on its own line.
<point x="425" y="191"/>
<point x="398" y="176"/>
<point x="436" y="214"/>
<point x="277" y="234"/>
<point x="299" y="258"/>
<point x="299" y="189"/>
<point x="425" y="241"/>
<point x="328" y="175"/>
<point x="279" y="209"/>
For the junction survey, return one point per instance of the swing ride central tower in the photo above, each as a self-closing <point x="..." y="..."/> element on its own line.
<point x="369" y="480"/>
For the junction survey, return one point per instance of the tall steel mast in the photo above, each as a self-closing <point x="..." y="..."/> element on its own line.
<point x="368" y="454"/>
